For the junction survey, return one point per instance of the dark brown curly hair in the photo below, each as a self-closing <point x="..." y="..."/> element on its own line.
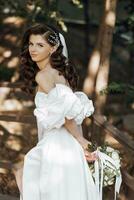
<point x="29" y="68"/>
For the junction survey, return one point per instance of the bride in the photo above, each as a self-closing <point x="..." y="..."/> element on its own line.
<point x="56" y="168"/>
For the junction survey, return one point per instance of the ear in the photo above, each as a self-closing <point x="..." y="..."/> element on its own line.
<point x="53" y="49"/>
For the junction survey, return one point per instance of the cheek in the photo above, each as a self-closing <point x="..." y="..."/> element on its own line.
<point x="29" y="49"/>
<point x="44" y="52"/>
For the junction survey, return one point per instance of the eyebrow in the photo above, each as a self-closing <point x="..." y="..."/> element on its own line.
<point x="37" y="42"/>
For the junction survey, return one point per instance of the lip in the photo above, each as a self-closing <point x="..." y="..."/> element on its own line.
<point x="33" y="54"/>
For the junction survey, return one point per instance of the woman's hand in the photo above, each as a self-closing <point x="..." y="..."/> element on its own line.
<point x="90" y="157"/>
<point x="84" y="143"/>
<point x="72" y="127"/>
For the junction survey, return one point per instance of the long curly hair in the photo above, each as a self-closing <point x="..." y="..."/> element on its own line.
<point x="29" y="68"/>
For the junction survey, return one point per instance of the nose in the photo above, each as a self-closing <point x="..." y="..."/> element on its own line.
<point x="33" y="49"/>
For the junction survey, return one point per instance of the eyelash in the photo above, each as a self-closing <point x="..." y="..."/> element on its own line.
<point x="38" y="44"/>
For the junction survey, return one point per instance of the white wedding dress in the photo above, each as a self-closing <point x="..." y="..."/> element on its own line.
<point x="56" y="168"/>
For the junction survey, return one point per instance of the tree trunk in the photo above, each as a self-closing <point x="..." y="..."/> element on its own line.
<point x="98" y="68"/>
<point x="93" y="65"/>
<point x="106" y="44"/>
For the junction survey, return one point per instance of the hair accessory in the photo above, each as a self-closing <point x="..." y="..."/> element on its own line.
<point x="54" y="39"/>
<point x="64" y="51"/>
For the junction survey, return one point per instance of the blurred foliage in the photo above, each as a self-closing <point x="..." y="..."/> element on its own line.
<point x="6" y="74"/>
<point x="125" y="30"/>
<point x="32" y="10"/>
<point x="78" y="3"/>
<point x="120" y="88"/>
<point x="129" y="21"/>
<point x="125" y="27"/>
<point x="36" y="10"/>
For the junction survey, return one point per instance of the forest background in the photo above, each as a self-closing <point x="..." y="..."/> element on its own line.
<point x="100" y="40"/>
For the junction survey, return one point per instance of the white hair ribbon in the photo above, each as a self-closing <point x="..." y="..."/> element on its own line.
<point x="65" y="52"/>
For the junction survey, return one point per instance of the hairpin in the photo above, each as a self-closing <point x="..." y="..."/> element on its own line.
<point x="54" y="38"/>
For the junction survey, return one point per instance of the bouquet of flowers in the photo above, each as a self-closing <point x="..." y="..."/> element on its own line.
<point x="111" y="169"/>
<point x="106" y="169"/>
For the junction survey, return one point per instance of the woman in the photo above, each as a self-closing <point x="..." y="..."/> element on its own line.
<point x="56" y="168"/>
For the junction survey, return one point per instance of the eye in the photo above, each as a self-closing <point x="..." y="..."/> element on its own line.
<point x="40" y="45"/>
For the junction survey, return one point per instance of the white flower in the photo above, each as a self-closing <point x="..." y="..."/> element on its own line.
<point x="106" y="178"/>
<point x="115" y="155"/>
<point x="110" y="182"/>
<point x="109" y="149"/>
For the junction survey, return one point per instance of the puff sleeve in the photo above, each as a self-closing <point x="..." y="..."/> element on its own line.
<point x="60" y="103"/>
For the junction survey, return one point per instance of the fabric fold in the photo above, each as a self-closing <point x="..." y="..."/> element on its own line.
<point x="60" y="103"/>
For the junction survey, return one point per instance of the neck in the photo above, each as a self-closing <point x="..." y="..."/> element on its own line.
<point x="43" y="64"/>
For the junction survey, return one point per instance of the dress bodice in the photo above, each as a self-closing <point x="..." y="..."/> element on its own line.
<point x="61" y="102"/>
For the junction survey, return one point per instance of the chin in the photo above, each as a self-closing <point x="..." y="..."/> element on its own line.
<point x="35" y="59"/>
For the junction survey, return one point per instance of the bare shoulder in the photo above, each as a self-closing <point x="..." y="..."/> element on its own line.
<point x="60" y="78"/>
<point x="45" y="80"/>
<point x="40" y="76"/>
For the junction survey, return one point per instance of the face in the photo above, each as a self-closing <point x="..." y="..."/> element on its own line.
<point x="39" y="49"/>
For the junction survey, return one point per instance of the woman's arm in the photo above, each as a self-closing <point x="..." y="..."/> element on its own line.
<point x="73" y="129"/>
<point x="80" y="129"/>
